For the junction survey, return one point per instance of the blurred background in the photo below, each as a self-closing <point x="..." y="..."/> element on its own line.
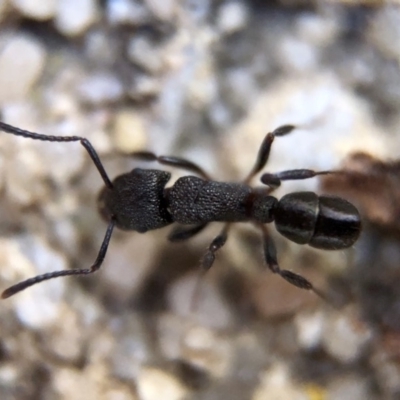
<point x="205" y="80"/>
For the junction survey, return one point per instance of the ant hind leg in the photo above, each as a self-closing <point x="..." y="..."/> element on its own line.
<point x="291" y="277"/>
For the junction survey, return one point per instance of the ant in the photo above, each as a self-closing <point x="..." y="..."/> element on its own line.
<point x="139" y="201"/>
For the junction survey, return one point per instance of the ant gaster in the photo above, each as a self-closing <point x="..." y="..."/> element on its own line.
<point x="139" y="201"/>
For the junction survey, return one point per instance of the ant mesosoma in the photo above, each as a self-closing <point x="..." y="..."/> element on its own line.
<point x="139" y="201"/>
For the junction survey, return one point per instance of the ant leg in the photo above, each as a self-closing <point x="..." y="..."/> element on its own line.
<point x="176" y="162"/>
<point x="207" y="262"/>
<point x="216" y="244"/>
<point x="50" y="275"/>
<point x="49" y="138"/>
<point x="179" y="233"/>
<point x="265" y="148"/>
<point x="275" y="180"/>
<point x="272" y="262"/>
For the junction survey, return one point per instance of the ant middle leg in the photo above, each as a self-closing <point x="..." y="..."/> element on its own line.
<point x="181" y="233"/>
<point x="207" y="262"/>
<point x="265" y="148"/>
<point x="219" y="241"/>
<point x="175" y="162"/>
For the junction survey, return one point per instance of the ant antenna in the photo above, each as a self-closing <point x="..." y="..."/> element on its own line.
<point x="103" y="249"/>
<point x="50" y="275"/>
<point x="49" y="138"/>
<point x="265" y="148"/>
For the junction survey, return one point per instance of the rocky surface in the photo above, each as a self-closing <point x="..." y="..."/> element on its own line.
<point x="203" y="80"/>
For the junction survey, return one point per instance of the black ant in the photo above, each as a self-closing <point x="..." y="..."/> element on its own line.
<point x="139" y="201"/>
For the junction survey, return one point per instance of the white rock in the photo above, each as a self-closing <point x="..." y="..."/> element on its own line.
<point x="27" y="163"/>
<point x="276" y="384"/>
<point x="317" y="29"/>
<point x="24" y="171"/>
<point x="100" y="48"/>
<point x="89" y="383"/>
<point x="155" y="384"/>
<point x="133" y="347"/>
<point x="73" y="17"/>
<point x="9" y="374"/>
<point x="348" y="388"/>
<point x="119" y="393"/>
<point x="388" y="374"/>
<point x="143" y="53"/>
<point x="129" y="131"/>
<point x="144" y="86"/>
<point x="232" y="17"/>
<point x="126" y="12"/>
<point x="40" y="10"/>
<point x="385" y="31"/>
<point x="198" y="10"/>
<point x="209" y="351"/>
<point x="296" y="55"/>
<point x="68" y="159"/>
<point x="163" y="9"/>
<point x="128" y="263"/>
<point x="66" y="340"/>
<point x="22" y="60"/>
<point x="345" y="337"/>
<point x="39" y="305"/>
<point x="208" y="307"/>
<point x="171" y="330"/>
<point x="101" y="87"/>
<point x="309" y="329"/>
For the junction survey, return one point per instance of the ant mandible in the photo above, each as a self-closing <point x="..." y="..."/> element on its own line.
<point x="139" y="201"/>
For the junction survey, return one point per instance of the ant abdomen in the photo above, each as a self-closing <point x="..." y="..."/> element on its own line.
<point x="324" y="222"/>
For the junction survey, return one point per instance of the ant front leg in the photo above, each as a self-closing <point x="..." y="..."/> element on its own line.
<point x="275" y="180"/>
<point x="272" y="262"/>
<point x="265" y="149"/>
<point x="175" y="162"/>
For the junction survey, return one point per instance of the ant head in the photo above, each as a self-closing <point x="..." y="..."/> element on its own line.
<point x="136" y="200"/>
